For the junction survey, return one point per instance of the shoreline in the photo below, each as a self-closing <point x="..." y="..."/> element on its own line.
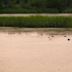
<point x="37" y="14"/>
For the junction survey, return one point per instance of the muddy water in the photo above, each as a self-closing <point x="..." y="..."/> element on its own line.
<point x="35" y="50"/>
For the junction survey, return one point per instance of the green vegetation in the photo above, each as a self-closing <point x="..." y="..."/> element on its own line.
<point x="37" y="22"/>
<point x="35" y="6"/>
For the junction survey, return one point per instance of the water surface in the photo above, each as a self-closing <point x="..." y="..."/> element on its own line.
<point x="35" y="50"/>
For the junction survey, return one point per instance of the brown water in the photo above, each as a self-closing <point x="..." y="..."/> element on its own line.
<point x="35" y="50"/>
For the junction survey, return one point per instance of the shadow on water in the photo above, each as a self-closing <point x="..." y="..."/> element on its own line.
<point x="39" y="32"/>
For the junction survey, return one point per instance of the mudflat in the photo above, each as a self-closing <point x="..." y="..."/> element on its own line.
<point x="35" y="51"/>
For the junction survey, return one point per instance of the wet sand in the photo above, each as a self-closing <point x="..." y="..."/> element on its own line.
<point x="35" y="52"/>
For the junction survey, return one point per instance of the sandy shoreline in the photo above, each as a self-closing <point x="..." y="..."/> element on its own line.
<point x="25" y="15"/>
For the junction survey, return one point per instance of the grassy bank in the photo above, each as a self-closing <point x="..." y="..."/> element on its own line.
<point x="37" y="22"/>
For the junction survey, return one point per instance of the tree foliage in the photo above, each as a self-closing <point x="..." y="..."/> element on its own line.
<point x="39" y="4"/>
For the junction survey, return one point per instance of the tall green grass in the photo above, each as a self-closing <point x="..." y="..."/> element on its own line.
<point x="37" y="22"/>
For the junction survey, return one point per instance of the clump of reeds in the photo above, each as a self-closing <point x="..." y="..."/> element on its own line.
<point x="37" y="22"/>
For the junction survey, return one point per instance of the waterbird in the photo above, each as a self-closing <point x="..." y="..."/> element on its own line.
<point x="52" y="36"/>
<point x="68" y="39"/>
<point x="65" y="36"/>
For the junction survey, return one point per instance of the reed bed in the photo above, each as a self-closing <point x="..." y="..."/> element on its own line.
<point x="37" y="22"/>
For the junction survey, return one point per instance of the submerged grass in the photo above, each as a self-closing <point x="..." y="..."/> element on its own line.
<point x="37" y="22"/>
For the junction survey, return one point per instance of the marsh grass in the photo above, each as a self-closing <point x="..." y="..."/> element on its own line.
<point x="37" y="22"/>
